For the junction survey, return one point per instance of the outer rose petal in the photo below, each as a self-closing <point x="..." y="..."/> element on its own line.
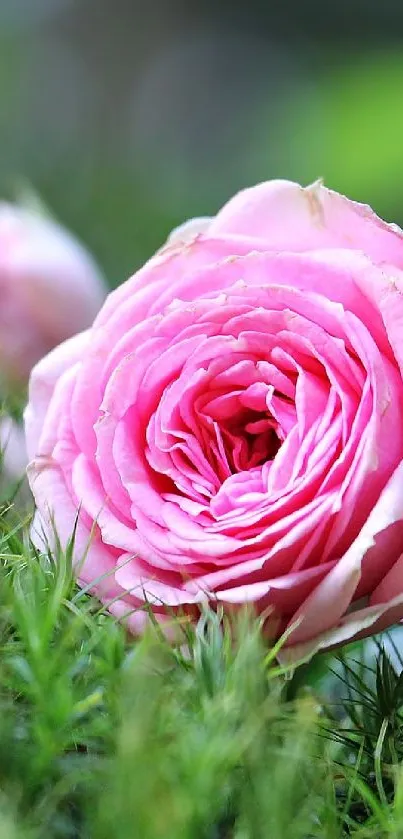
<point x="386" y="293"/>
<point x="286" y="216"/>
<point x="44" y="378"/>
<point x="94" y="564"/>
<point x="354" y="626"/>
<point x="309" y="637"/>
<point x="188" y="231"/>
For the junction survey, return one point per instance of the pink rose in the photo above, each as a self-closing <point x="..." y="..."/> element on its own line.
<point x="50" y="288"/>
<point x="13" y="456"/>
<point x="13" y="464"/>
<point x="231" y="426"/>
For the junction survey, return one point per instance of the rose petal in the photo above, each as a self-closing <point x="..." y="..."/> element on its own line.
<point x="286" y="216"/>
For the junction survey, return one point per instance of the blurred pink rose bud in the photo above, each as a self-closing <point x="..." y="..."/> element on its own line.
<point x="14" y="487"/>
<point x="13" y="450"/>
<point x="50" y="288"/>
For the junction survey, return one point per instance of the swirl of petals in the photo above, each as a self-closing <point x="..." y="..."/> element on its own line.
<point x="238" y="401"/>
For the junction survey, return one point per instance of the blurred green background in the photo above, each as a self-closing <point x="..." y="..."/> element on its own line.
<point x="129" y="116"/>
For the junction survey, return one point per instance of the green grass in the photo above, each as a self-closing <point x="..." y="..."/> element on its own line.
<point x="102" y="736"/>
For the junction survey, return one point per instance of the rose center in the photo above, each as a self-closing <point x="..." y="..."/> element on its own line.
<point x="250" y="439"/>
<point x="243" y="429"/>
<point x="220" y="427"/>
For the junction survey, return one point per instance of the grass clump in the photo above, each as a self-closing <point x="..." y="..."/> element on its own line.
<point x="102" y="736"/>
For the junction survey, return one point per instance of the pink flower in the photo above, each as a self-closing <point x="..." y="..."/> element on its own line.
<point x="13" y="456"/>
<point x="50" y="289"/>
<point x="231" y="426"/>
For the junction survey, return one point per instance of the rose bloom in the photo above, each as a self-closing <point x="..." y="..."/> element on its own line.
<point x="13" y="464"/>
<point x="231" y="427"/>
<point x="50" y="288"/>
<point x="13" y="457"/>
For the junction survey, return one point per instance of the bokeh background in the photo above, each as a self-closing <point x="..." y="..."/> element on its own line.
<point x="128" y="116"/>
